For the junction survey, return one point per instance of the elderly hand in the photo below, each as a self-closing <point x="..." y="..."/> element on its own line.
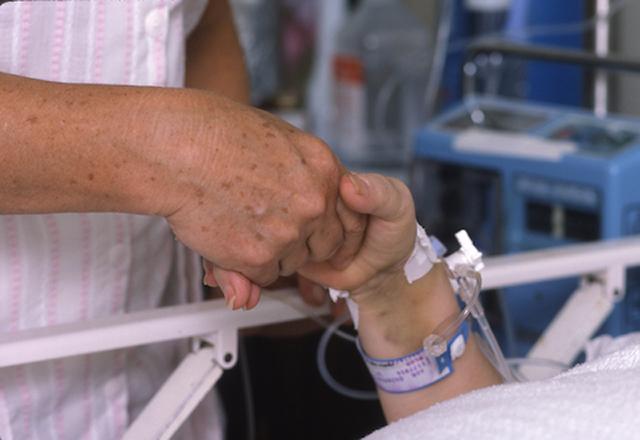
<point x="253" y="195"/>
<point x="388" y="242"/>
<point x="245" y="190"/>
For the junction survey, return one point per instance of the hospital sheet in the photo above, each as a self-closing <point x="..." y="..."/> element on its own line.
<point x="599" y="399"/>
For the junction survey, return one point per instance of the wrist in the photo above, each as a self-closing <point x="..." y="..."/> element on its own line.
<point x="393" y="294"/>
<point x="171" y="141"/>
<point x="379" y="292"/>
<point x="137" y="172"/>
<point x="115" y="160"/>
<point x="396" y="322"/>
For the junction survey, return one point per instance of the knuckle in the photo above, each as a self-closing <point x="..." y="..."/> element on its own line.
<point x="325" y="161"/>
<point x="313" y="204"/>
<point x="290" y="234"/>
<point x="283" y="233"/>
<point x="315" y="143"/>
<point x="328" y="167"/>
<point x="259" y="257"/>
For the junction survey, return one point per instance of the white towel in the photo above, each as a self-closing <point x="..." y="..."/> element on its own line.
<point x="599" y="399"/>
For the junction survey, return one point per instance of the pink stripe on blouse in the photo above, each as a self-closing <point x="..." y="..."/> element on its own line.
<point x="25" y="29"/>
<point x="128" y="45"/>
<point x="57" y="42"/>
<point x="98" y="48"/>
<point x="52" y="301"/>
<point x="26" y="401"/>
<point x="161" y="65"/>
<point x="83" y="315"/>
<point x="62" y="268"/>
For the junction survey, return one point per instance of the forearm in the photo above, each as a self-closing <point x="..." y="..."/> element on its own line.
<point x="77" y="148"/>
<point x="214" y="56"/>
<point x="397" y="325"/>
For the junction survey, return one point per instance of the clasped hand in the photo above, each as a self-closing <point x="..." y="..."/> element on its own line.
<point x="254" y="196"/>
<point x="376" y="270"/>
<point x="258" y="198"/>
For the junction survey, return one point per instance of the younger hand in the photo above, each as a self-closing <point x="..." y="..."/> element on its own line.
<point x="389" y="237"/>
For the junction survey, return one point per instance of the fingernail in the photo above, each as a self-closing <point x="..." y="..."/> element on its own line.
<point x="319" y="294"/>
<point x="231" y="302"/>
<point x="361" y="185"/>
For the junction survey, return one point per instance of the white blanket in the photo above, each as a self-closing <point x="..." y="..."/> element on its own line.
<point x="599" y="399"/>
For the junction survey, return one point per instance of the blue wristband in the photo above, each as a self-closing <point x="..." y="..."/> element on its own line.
<point x="419" y="369"/>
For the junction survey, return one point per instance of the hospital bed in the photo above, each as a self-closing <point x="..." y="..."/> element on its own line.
<point x="213" y="329"/>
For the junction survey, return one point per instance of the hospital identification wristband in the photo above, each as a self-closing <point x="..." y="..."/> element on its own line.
<point x="419" y="369"/>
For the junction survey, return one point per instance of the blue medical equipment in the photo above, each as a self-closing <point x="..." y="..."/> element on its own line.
<point x="520" y="176"/>
<point x="530" y="21"/>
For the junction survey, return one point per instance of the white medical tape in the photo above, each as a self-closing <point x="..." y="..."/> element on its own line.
<point x="422" y="259"/>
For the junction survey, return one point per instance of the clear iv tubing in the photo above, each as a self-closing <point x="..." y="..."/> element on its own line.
<point x="469" y="284"/>
<point x="324" y="371"/>
<point x="445" y="47"/>
<point x="332" y="329"/>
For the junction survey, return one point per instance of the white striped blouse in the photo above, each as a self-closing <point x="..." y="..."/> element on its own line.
<point x="61" y="268"/>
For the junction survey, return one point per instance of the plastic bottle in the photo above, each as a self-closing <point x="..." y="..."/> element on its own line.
<point x="331" y="15"/>
<point x="380" y="72"/>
